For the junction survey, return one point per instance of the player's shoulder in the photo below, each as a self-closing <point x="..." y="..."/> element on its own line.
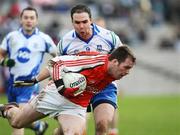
<point x="43" y="36"/>
<point x="69" y="35"/>
<point x="12" y="33"/>
<point x="103" y="31"/>
<point x="68" y="38"/>
<point x="99" y="29"/>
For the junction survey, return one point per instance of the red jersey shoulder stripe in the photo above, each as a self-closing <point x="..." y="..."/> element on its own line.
<point x="84" y="61"/>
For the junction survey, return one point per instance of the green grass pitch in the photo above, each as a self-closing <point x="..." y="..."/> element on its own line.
<point x="139" y="115"/>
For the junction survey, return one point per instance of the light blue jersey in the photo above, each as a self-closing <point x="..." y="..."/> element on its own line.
<point x="102" y="41"/>
<point x="28" y="52"/>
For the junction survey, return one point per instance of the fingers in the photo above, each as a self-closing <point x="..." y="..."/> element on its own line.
<point x="70" y="91"/>
<point x="77" y="92"/>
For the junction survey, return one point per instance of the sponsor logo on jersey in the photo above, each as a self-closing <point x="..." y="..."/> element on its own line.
<point x="23" y="55"/>
<point x="76" y="83"/>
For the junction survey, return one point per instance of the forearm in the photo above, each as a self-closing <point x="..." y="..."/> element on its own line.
<point x="2" y="55"/>
<point x="44" y="74"/>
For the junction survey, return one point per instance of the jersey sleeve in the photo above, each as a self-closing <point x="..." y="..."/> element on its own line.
<point x="50" y="46"/>
<point x="59" y="48"/>
<point x="4" y="44"/>
<point x="115" y="40"/>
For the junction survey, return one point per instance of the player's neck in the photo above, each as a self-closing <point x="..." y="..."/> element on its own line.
<point x="28" y="32"/>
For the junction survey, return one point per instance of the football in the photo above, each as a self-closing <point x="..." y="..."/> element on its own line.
<point x="73" y="80"/>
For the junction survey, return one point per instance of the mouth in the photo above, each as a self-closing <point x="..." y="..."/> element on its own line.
<point x="28" y="25"/>
<point x="82" y="32"/>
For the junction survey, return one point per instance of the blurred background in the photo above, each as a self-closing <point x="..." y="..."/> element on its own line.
<point x="150" y="27"/>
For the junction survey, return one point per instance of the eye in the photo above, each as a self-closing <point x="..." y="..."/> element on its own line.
<point x="86" y="21"/>
<point x="32" y="18"/>
<point x="76" y="22"/>
<point x="25" y="17"/>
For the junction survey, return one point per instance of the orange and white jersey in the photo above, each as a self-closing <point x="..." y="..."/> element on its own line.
<point x="73" y="64"/>
<point x="94" y="68"/>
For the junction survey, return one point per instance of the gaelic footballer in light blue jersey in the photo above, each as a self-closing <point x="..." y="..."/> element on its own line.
<point x="22" y="51"/>
<point x="28" y="52"/>
<point x="102" y="40"/>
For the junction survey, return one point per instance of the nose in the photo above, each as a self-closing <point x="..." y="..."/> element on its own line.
<point x="81" y="25"/>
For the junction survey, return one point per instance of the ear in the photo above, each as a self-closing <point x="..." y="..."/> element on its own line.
<point x="91" y="20"/>
<point x="115" y="62"/>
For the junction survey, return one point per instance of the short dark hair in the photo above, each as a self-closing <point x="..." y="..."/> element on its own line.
<point x="29" y="8"/>
<point x="121" y="53"/>
<point x="80" y="8"/>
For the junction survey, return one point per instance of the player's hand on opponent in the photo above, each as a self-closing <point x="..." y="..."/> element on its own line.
<point x="7" y="62"/>
<point x="70" y="92"/>
<point x="25" y="83"/>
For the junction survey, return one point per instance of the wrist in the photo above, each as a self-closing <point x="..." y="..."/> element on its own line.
<point x="7" y="62"/>
<point x="35" y="80"/>
<point x="1" y="61"/>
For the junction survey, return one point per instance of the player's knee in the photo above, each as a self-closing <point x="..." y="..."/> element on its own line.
<point x="102" y="126"/>
<point x="16" y="123"/>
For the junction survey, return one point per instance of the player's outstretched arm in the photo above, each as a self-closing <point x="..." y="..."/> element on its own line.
<point x="40" y="77"/>
<point x="25" y="83"/>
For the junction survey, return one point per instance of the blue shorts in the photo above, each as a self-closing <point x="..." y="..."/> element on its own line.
<point x="21" y="94"/>
<point x="108" y="95"/>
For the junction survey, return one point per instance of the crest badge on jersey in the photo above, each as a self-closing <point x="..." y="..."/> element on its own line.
<point x="99" y="48"/>
<point x="88" y="49"/>
<point x="23" y="55"/>
<point x="76" y="51"/>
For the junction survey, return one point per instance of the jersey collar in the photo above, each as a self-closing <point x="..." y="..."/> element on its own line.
<point x="36" y="30"/>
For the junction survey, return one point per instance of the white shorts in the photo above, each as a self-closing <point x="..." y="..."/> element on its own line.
<point x="50" y="102"/>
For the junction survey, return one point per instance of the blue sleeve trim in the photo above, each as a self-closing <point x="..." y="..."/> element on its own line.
<point x="8" y="47"/>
